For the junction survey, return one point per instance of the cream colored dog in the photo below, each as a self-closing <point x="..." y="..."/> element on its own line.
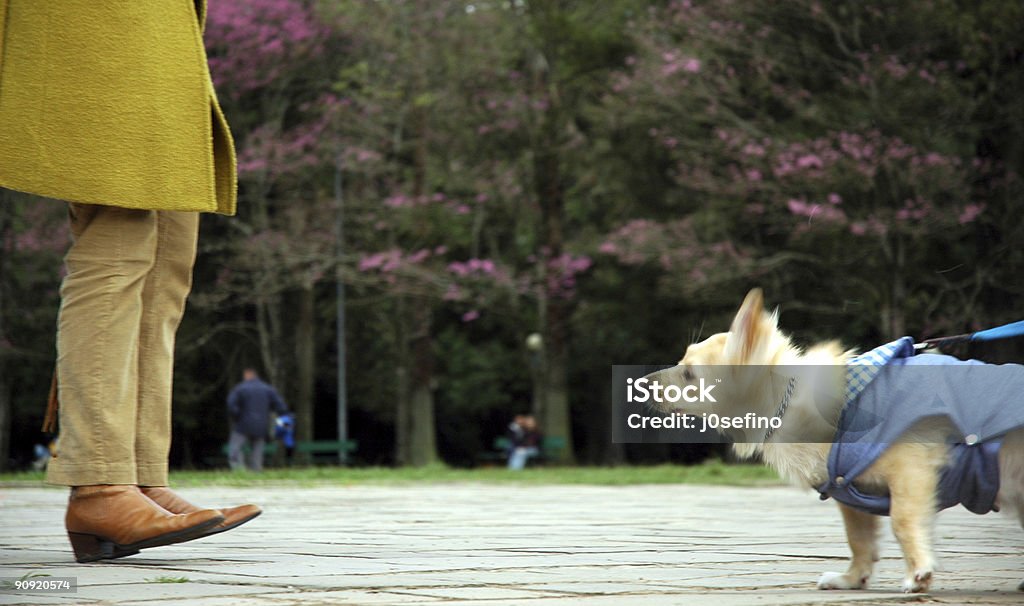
<point x="798" y="450"/>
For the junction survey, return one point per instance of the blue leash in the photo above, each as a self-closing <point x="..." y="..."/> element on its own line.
<point x="1014" y="329"/>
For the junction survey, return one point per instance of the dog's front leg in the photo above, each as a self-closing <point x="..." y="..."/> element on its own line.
<point x="862" y="535"/>
<point x="912" y="509"/>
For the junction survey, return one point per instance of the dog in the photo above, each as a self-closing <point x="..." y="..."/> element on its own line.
<point x="745" y="365"/>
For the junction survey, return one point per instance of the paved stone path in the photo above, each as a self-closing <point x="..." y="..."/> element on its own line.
<point x="503" y="545"/>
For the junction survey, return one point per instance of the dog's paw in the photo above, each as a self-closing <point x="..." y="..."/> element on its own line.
<point x="838" y="580"/>
<point x="921" y="580"/>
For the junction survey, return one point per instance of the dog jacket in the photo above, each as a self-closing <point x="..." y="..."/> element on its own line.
<point x="889" y="389"/>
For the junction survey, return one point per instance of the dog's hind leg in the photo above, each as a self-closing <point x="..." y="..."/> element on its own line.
<point x="912" y="486"/>
<point x="862" y="535"/>
<point x="1011" y="477"/>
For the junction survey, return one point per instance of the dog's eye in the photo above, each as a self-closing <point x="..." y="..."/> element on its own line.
<point x="688" y="374"/>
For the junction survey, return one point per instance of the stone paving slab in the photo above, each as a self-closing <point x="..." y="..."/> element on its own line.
<point x="463" y="544"/>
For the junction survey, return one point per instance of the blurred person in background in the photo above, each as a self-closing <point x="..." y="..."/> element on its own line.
<point x="249" y="406"/>
<point x="526" y="442"/>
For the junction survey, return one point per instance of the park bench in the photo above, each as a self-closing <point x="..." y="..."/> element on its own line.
<point x="316" y="449"/>
<point x="325" y="448"/>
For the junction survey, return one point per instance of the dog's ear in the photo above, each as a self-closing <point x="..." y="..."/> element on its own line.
<point x="751" y="327"/>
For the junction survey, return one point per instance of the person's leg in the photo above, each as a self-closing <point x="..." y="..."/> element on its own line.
<point x="163" y="303"/>
<point x="235" y="455"/>
<point x="97" y="344"/>
<point x="517" y="459"/>
<point x="97" y="364"/>
<point x="256" y="456"/>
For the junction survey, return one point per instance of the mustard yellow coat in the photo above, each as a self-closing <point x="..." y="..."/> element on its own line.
<point x="110" y="102"/>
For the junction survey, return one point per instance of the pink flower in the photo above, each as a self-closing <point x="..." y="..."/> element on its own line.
<point x="753" y="149"/>
<point x="471" y="315"/>
<point x="419" y="256"/>
<point x="970" y="213"/>
<point x="809" y="161"/>
<point x="398" y="201"/>
<point x="797" y="207"/>
<point x="371" y="262"/>
<point x="834" y="198"/>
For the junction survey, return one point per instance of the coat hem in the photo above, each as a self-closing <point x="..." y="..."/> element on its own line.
<point x="57" y="196"/>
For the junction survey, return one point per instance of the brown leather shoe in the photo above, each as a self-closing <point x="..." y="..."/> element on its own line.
<point x="174" y="503"/>
<point x="113" y="521"/>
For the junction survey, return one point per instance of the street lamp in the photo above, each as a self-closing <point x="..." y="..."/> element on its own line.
<point x="535" y="347"/>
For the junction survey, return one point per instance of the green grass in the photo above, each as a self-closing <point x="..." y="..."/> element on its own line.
<point x="713" y="472"/>
<point x="168" y="580"/>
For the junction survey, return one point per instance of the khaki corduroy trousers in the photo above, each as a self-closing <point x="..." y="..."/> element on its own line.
<point x="129" y="273"/>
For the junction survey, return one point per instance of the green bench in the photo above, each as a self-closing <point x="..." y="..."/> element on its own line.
<point x="313" y="448"/>
<point x="326" y="448"/>
<point x="551" y="447"/>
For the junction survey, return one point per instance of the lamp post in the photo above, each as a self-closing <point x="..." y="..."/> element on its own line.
<point x="535" y="347"/>
<point x="339" y="284"/>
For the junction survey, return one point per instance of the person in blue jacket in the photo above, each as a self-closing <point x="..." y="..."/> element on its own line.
<point x="249" y="406"/>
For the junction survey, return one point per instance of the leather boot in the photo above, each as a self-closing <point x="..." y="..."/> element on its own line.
<point x="174" y="503"/>
<point x="113" y="521"/>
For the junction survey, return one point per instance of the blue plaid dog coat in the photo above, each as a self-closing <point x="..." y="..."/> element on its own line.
<point x="889" y="389"/>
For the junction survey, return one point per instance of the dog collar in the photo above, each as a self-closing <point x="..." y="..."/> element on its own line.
<point x="782" y="407"/>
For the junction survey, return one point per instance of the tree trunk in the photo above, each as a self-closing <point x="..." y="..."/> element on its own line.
<point x="898" y="325"/>
<point x="600" y="448"/>
<point x="304" y="364"/>
<point x="6" y="208"/>
<point x="422" y="438"/>
<point x="403" y="406"/>
<point x="415" y="438"/>
<point x="5" y="408"/>
<point x="893" y="318"/>
<point x="268" y="325"/>
<point x="555" y="421"/>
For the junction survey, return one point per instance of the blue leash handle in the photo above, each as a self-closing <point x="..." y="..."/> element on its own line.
<point x="1014" y="329"/>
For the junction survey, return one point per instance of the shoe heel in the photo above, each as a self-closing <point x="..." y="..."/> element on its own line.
<point x="89" y="548"/>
